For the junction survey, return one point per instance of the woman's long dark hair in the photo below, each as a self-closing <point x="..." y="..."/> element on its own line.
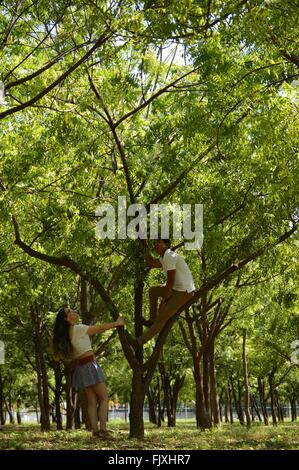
<point x="62" y="346"/>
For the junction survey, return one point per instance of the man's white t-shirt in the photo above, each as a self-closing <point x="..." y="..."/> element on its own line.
<point x="80" y="340"/>
<point x="183" y="280"/>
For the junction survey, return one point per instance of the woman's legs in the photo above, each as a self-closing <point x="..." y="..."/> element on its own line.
<point x="92" y="401"/>
<point x="97" y="394"/>
<point x="102" y="396"/>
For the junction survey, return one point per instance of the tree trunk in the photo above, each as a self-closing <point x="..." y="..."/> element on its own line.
<point x="226" y="405"/>
<point x="272" y="399"/>
<point x="231" y="415"/>
<point x="70" y="397"/>
<point x="136" y="404"/>
<point x="237" y="402"/>
<point x="173" y="395"/>
<point x="203" y="419"/>
<point x="138" y="389"/>
<point x="77" y="416"/>
<point x="126" y="411"/>
<point x="206" y="380"/>
<point x="140" y="382"/>
<point x="19" y="417"/>
<point x="82" y="399"/>
<point x="84" y="299"/>
<point x="278" y="407"/>
<point x="11" y="417"/>
<point x="160" y="408"/>
<point x="43" y="419"/>
<point x="9" y="410"/>
<point x="36" y="412"/>
<point x="263" y="401"/>
<point x="10" y="406"/>
<point x="152" y="406"/>
<point x="41" y="369"/>
<point x="255" y="406"/>
<point x="57" y="394"/>
<point x="170" y="412"/>
<point x="213" y="387"/>
<point x="293" y="408"/>
<point x="246" y="380"/>
<point x="138" y="309"/>
<point x="221" y="405"/>
<point x="171" y="386"/>
<point x="240" y="406"/>
<point x="2" y="415"/>
<point x="178" y="384"/>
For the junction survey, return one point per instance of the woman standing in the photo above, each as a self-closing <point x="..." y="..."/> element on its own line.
<point x="72" y="341"/>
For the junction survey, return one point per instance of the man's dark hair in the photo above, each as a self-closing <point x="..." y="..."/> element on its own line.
<point x="166" y="241"/>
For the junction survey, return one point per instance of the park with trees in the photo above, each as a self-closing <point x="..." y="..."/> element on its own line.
<point x="162" y="102"/>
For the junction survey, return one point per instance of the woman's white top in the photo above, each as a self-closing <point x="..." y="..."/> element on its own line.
<point x="80" y="340"/>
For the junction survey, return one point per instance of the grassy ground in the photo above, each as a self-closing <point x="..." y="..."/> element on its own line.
<point x="184" y="437"/>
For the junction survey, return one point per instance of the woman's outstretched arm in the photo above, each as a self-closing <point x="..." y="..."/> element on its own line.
<point x="93" y="330"/>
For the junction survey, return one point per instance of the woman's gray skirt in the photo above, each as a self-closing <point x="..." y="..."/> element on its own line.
<point x="87" y="374"/>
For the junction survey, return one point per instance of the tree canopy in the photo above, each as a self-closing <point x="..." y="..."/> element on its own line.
<point x="161" y="102"/>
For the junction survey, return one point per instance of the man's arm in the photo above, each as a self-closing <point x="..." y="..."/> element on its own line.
<point x="152" y="263"/>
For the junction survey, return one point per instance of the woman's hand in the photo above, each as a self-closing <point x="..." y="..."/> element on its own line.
<point x="120" y="321"/>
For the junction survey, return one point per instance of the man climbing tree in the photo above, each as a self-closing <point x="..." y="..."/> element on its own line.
<point x="178" y="289"/>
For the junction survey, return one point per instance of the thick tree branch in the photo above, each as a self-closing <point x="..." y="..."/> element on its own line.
<point x="291" y="57"/>
<point x="150" y="365"/>
<point x="102" y="39"/>
<point x="119" y="145"/>
<point x="102" y="348"/>
<point x="67" y="262"/>
<point x="172" y="186"/>
<point x="233" y="212"/>
<point x="12" y="267"/>
<point x="208" y="17"/>
<point x="212" y="283"/>
<point x="32" y="51"/>
<point x="202" y="29"/>
<point x="13" y="20"/>
<point x="42" y="69"/>
<point x="153" y="97"/>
